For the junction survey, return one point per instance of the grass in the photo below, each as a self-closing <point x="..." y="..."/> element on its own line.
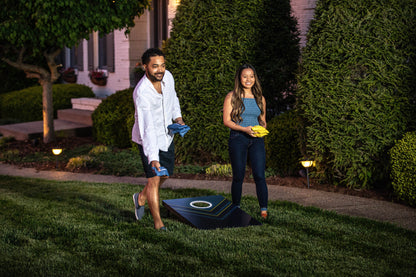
<point x="52" y="228"/>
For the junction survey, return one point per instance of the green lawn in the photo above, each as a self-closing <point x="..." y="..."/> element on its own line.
<point x="51" y="228"/>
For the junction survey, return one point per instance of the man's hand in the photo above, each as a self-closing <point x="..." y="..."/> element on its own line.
<point x="179" y="120"/>
<point x="156" y="164"/>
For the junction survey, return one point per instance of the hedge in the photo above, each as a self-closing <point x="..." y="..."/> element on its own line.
<point x="26" y="105"/>
<point x="209" y="41"/>
<point x="16" y="79"/>
<point x="357" y="86"/>
<point x="403" y="168"/>
<point x="282" y="144"/>
<point x="114" y="118"/>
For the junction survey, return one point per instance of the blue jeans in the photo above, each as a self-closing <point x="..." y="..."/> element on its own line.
<point x="242" y="146"/>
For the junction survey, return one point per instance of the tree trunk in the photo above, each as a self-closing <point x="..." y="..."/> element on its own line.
<point x="47" y="112"/>
<point x="46" y="79"/>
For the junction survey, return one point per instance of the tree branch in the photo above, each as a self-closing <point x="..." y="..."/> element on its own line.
<point x="53" y="67"/>
<point x="32" y="71"/>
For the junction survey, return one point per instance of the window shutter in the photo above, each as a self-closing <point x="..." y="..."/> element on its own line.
<point x="60" y="59"/>
<point x="72" y="57"/>
<point x="110" y="52"/>
<point x="80" y="56"/>
<point x="91" y="53"/>
<point x="102" y="51"/>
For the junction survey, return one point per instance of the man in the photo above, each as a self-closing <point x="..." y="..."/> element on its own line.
<point x="156" y="106"/>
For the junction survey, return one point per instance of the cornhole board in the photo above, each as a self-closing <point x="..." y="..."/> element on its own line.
<point x="209" y="212"/>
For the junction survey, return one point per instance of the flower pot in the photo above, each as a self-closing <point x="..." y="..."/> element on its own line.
<point x="70" y="78"/>
<point x="99" y="81"/>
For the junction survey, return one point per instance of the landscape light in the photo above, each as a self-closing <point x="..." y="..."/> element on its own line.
<point x="306" y="164"/>
<point x="56" y="152"/>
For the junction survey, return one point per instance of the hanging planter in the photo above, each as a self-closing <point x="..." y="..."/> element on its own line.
<point x="98" y="78"/>
<point x="69" y="75"/>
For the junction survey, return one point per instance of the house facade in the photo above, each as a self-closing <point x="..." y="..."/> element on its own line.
<point x="116" y="55"/>
<point x="303" y="11"/>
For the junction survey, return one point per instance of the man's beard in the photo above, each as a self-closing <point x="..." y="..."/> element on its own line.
<point x="156" y="77"/>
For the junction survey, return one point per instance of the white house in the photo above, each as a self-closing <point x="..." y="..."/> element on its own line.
<point x="116" y="54"/>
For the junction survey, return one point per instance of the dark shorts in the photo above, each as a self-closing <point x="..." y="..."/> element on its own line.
<point x="166" y="159"/>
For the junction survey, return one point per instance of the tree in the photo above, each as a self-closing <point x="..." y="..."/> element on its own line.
<point x="44" y="27"/>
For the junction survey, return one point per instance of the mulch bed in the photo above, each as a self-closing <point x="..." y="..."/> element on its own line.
<point x="32" y="146"/>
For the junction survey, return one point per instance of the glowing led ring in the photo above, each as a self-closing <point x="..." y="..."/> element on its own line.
<point x="202" y="202"/>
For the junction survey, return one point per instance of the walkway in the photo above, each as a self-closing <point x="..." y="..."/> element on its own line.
<point x="379" y="210"/>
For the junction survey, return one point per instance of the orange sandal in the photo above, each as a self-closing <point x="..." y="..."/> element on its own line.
<point x="263" y="214"/>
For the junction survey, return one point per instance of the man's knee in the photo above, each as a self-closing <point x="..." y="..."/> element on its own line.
<point x="154" y="181"/>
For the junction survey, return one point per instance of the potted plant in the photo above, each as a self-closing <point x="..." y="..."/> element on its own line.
<point x="98" y="77"/>
<point x="69" y="75"/>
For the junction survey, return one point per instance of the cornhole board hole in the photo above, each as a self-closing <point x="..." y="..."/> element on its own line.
<point x="209" y="212"/>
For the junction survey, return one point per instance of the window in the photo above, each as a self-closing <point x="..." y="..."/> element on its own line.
<point x="72" y="57"/>
<point x="159" y="24"/>
<point x="101" y="52"/>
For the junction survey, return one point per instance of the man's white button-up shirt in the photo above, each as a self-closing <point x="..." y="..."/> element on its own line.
<point x="153" y="113"/>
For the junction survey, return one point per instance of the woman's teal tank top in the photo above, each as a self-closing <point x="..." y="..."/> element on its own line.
<point x="251" y="113"/>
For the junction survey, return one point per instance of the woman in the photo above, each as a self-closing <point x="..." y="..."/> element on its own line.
<point x="245" y="107"/>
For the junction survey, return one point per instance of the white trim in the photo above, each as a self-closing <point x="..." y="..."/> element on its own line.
<point x="148" y="28"/>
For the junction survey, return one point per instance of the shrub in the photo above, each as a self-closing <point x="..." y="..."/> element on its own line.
<point x="99" y="149"/>
<point x="112" y="119"/>
<point x="282" y="144"/>
<point x="403" y="168"/>
<point x="209" y="40"/>
<point x="16" y="78"/>
<point x="119" y="163"/>
<point x="224" y="170"/>
<point x="79" y="162"/>
<point x="356" y="86"/>
<point x="5" y="140"/>
<point x="9" y="155"/>
<point x="26" y="104"/>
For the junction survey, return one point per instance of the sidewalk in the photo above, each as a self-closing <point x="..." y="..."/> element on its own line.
<point x="384" y="211"/>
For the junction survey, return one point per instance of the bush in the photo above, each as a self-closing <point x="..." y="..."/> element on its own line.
<point x="26" y="105"/>
<point x="16" y="79"/>
<point x="79" y="162"/>
<point x="209" y="41"/>
<point x="282" y="144"/>
<point x="98" y="150"/>
<point x="356" y="86"/>
<point x="112" y="119"/>
<point x="224" y="170"/>
<point x="403" y="168"/>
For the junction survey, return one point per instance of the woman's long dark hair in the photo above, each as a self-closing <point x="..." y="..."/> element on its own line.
<point x="238" y="95"/>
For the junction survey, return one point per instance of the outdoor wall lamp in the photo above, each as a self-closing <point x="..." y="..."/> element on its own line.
<point x="306" y="164"/>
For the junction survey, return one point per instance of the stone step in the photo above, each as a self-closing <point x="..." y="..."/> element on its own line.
<point x="34" y="129"/>
<point x="84" y="103"/>
<point x="76" y="115"/>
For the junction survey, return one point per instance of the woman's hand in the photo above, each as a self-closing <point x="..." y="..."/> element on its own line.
<point x="249" y="131"/>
